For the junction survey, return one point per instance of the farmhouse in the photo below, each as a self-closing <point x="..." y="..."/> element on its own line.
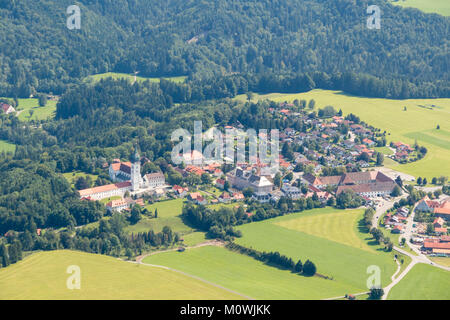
<point x="6" y="108"/>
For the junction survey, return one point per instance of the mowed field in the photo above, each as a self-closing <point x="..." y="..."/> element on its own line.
<point x="247" y="275"/>
<point x="39" y="113"/>
<point x="328" y="237"/>
<point x="44" y="275"/>
<point x="430" y="6"/>
<point x="419" y="123"/>
<point x="335" y="245"/>
<point x="7" y="147"/>
<point x="114" y="75"/>
<point x="423" y="282"/>
<point x="169" y="214"/>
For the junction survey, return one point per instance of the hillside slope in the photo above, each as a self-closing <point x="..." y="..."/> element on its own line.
<point x="206" y="38"/>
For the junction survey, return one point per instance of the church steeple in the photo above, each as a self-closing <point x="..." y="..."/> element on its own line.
<point x="135" y="170"/>
<point x="135" y="157"/>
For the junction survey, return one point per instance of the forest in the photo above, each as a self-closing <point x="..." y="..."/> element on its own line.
<point x="264" y="40"/>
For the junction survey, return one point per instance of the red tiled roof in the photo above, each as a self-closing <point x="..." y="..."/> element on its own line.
<point x="109" y="187"/>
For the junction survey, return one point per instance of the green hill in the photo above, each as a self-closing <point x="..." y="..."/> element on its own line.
<point x="44" y="275"/>
<point x="207" y="38"/>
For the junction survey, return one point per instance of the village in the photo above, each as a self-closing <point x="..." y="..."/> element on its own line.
<point x="327" y="157"/>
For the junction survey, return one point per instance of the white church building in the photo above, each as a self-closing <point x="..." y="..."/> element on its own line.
<point x="126" y="177"/>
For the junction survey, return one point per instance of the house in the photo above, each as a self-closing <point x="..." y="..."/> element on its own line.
<point x="443" y="211"/>
<point x="426" y="205"/>
<point x="438" y="223"/>
<point x="291" y="191"/>
<point x="197" y="198"/>
<point x="238" y="196"/>
<point x="122" y="204"/>
<point x="180" y="191"/>
<point x="225" y="197"/>
<point x="6" y="108"/>
<point x="220" y="183"/>
<point x="397" y="229"/>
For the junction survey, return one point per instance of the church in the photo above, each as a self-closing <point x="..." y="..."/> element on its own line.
<point x="126" y="177"/>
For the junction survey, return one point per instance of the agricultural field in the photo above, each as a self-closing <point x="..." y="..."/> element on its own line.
<point x="7" y="147"/>
<point x="248" y="276"/>
<point x="417" y="123"/>
<point x="423" y="282"/>
<point x="43" y="276"/>
<point x="39" y="113"/>
<point x="98" y="77"/>
<point x="168" y="215"/>
<point x="330" y="238"/>
<point x="336" y="245"/>
<point x="429" y="6"/>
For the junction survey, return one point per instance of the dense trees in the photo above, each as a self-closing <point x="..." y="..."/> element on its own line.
<point x="327" y="40"/>
<point x="33" y="193"/>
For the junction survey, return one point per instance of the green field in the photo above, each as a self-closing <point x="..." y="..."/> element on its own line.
<point x="71" y="177"/>
<point x="7" y="147"/>
<point x="248" y="276"/>
<point x="329" y="237"/>
<point x="338" y="249"/>
<point x="43" y="276"/>
<point x="418" y="122"/>
<point x="114" y="75"/>
<point x="39" y="113"/>
<point x="430" y="6"/>
<point x="423" y="282"/>
<point x="168" y="215"/>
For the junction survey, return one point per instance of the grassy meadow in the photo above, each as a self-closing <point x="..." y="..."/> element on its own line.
<point x="330" y="238"/>
<point x="429" y="6"/>
<point x="418" y="122"/>
<point x="7" y="147"/>
<point x="248" y="276"/>
<point x="114" y="75"/>
<point x="423" y="282"/>
<point x="43" y="276"/>
<point x="169" y="214"/>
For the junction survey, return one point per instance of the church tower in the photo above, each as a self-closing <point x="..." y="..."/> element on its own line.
<point x="135" y="171"/>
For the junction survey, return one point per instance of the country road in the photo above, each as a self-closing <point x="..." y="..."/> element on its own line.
<point x="203" y="244"/>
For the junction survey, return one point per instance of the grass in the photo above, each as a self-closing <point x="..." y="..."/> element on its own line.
<point x="330" y="224"/>
<point x="169" y="214"/>
<point x="343" y="257"/>
<point x="328" y="237"/>
<point x="419" y="123"/>
<point x="71" y="177"/>
<point x="430" y="6"/>
<point x="423" y="282"/>
<point x="39" y="113"/>
<point x="248" y="276"/>
<point x="384" y="150"/>
<point x="7" y="147"/>
<point x="105" y="201"/>
<point x="43" y="276"/>
<point x="114" y="75"/>
<point x="443" y="261"/>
